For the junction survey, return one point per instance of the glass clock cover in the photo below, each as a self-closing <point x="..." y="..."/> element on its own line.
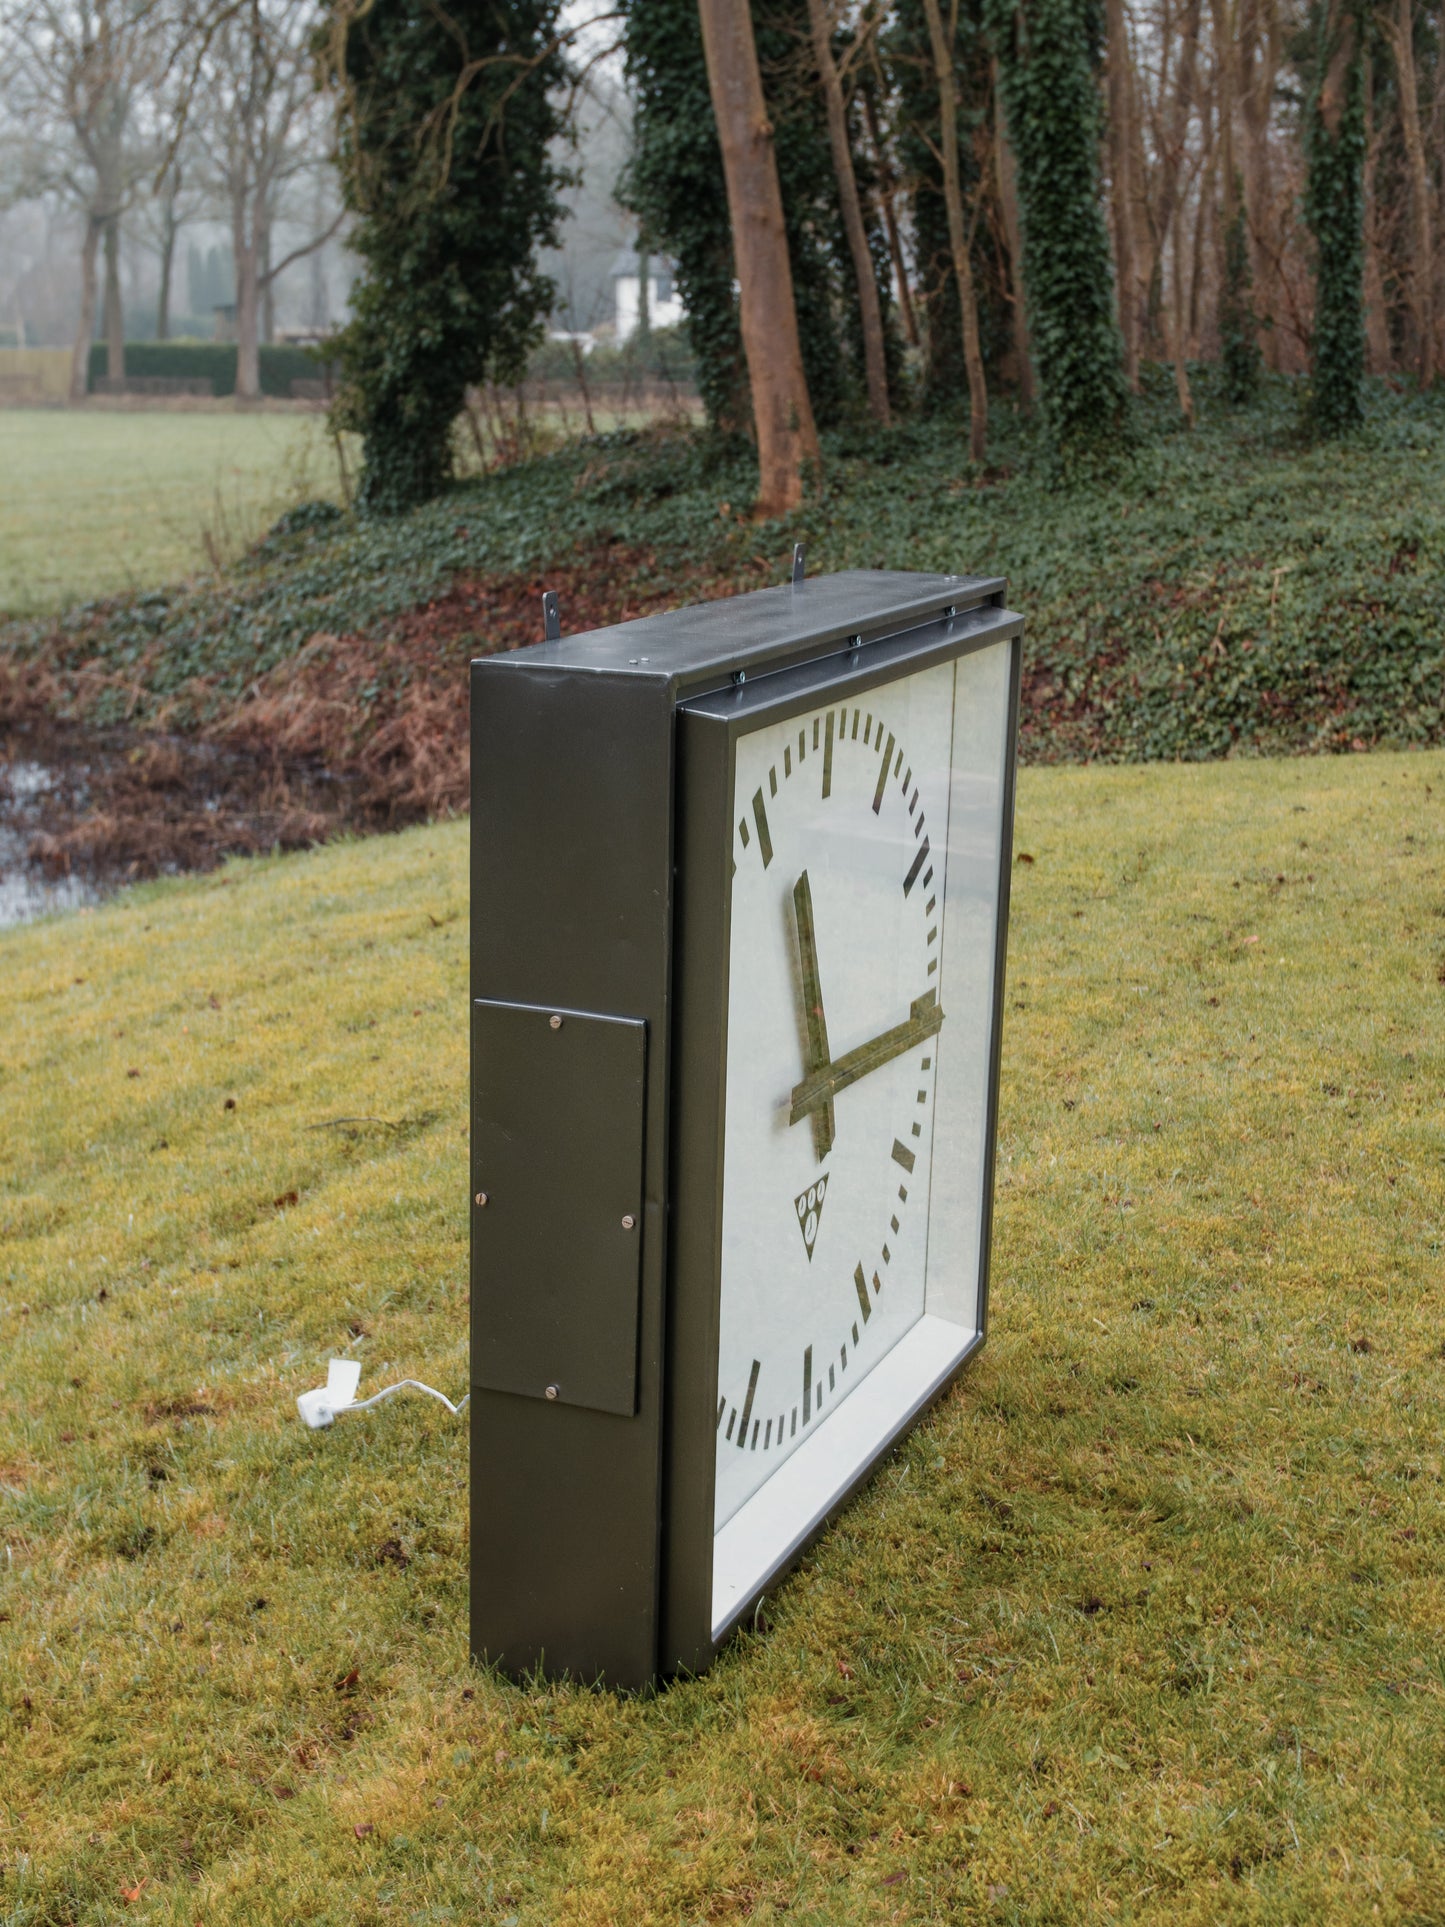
<point x="864" y="900"/>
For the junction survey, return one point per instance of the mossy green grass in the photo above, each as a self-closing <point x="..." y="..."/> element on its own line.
<point x="1142" y="1624"/>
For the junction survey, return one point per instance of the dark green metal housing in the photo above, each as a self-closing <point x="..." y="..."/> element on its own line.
<point x="601" y="795"/>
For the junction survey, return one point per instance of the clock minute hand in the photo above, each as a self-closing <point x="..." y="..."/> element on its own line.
<point x="823" y="1083"/>
<point x="815" y="1057"/>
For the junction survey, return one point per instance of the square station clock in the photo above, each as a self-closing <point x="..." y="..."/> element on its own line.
<point x="739" y="906"/>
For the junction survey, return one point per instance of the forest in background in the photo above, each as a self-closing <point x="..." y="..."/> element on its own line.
<point x="935" y="201"/>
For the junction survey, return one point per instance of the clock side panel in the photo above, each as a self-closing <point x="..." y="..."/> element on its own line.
<point x="571" y="837"/>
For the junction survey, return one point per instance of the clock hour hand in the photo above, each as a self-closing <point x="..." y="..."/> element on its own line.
<point x="815" y="1057"/>
<point x="825" y="1080"/>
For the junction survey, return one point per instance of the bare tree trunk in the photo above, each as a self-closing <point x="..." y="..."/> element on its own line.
<point x="1203" y="218"/>
<point x="1121" y="184"/>
<point x="1224" y="57"/>
<point x="957" y="237"/>
<point x="886" y="192"/>
<point x="114" y="309"/>
<point x="1175" y="310"/>
<point x="168" y="261"/>
<point x="248" y="304"/>
<point x="1377" y="325"/>
<point x="264" y="277"/>
<point x="782" y="410"/>
<point x="870" y="314"/>
<point x="1008" y="200"/>
<point x="1422" y="254"/>
<point x="80" y="354"/>
<point x="1260" y="38"/>
<point x="1171" y="169"/>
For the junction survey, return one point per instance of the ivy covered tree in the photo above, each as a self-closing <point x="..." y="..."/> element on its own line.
<point x="445" y="123"/>
<point x="675" y="186"/>
<point x="1335" y="210"/>
<point x="1238" y="329"/>
<point x="1047" y="58"/>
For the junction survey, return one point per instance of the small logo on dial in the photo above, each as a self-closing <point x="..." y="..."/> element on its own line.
<point x="809" y="1207"/>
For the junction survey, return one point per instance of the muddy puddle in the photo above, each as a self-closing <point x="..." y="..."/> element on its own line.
<point x="82" y="813"/>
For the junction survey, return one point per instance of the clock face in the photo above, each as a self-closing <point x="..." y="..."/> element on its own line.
<point x="837" y="1026"/>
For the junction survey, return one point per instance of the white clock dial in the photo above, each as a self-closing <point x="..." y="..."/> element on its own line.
<point x="835" y="1022"/>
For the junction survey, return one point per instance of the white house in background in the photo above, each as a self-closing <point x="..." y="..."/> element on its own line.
<point x="665" y="309"/>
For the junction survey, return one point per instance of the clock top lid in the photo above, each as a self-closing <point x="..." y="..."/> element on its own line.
<point x="693" y="647"/>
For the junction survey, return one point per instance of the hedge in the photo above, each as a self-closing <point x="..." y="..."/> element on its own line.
<point x="281" y="364"/>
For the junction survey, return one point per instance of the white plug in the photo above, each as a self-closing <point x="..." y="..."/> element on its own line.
<point x="320" y="1407"/>
<point x="338" y="1394"/>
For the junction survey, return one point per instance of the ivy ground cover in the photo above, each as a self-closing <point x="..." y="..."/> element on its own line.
<point x="1142" y="1624"/>
<point x="1234" y="590"/>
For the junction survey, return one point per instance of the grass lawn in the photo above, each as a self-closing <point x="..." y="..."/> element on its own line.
<point x="1143" y="1624"/>
<point x="100" y="501"/>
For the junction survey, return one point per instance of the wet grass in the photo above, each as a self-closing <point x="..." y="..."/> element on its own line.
<point x="1143" y="1624"/>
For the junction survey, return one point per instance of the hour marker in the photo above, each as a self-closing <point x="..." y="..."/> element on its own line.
<point x="842" y="1358"/>
<point x="932" y="902"/>
<point x="933" y="934"/>
<point x="793" y="1428"/>
<point x="744" y="832"/>
<point x="787" y="759"/>
<point x="918" y="862"/>
<point x="932" y="965"/>
<point x="918" y="826"/>
<point x="757" y="1427"/>
<point x="860" y="1285"/>
<point x="887" y="1255"/>
<point x="855" y="725"/>
<point x="807" y="1384"/>
<point x="926" y="1065"/>
<point x="773" y="780"/>
<point x="831" y="1380"/>
<point x="923" y="1097"/>
<point x="913" y="803"/>
<point x="768" y="1436"/>
<point x="918" y="1130"/>
<point x="722" y="1406"/>
<point x="802" y="746"/>
<point x="855" y="1337"/>
<point x="748" y="1403"/>
<point x="877" y="1282"/>
<point x="816" y="727"/>
<point x="882" y="777"/>
<point x="760" y="817"/>
<point x="732" y="1421"/>
<point x="909" y="777"/>
<point x="927" y="878"/>
<point x="902" y="1155"/>
<point x="903" y="1194"/>
<point x="893" y="1224"/>
<point x="868" y="724"/>
<point x="828" y="756"/>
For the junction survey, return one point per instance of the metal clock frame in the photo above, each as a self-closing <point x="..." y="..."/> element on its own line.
<point x="601" y="844"/>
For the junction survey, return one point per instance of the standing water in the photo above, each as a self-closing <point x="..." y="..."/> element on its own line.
<point x="24" y="893"/>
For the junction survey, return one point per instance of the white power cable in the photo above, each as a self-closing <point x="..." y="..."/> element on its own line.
<point x="327" y="1402"/>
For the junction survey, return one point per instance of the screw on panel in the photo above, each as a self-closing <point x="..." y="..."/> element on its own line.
<point x="555" y="1022"/>
<point x="481" y="1200"/>
<point x="551" y="617"/>
<point x="628" y="1222"/>
<point x="855" y="642"/>
<point x="951" y="610"/>
<point x="799" y="559"/>
<point x="554" y="1391"/>
<point x="740" y="675"/>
